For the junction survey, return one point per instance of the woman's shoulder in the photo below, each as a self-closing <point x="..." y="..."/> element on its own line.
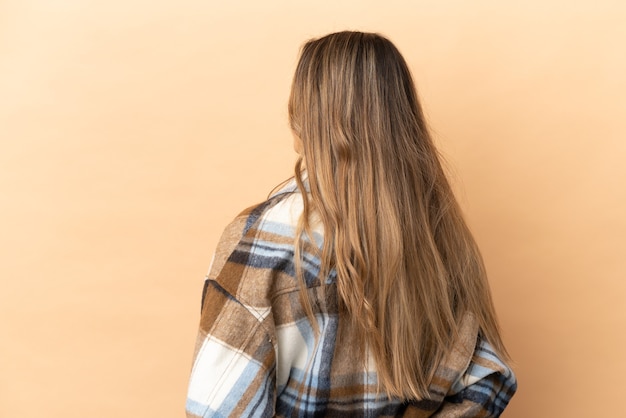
<point x="257" y="246"/>
<point x="274" y="220"/>
<point x="278" y="214"/>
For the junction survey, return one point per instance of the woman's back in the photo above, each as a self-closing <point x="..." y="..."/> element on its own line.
<point x="258" y="354"/>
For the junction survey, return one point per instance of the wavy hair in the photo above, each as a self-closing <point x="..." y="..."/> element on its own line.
<point x="408" y="269"/>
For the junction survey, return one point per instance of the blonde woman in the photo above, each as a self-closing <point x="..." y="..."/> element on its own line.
<point x="357" y="288"/>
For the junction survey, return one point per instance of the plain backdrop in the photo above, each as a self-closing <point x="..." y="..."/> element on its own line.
<point x="132" y="131"/>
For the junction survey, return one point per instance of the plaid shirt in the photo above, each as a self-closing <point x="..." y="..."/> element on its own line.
<point x="257" y="354"/>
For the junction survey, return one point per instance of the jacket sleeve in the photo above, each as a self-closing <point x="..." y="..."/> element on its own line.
<point x="233" y="372"/>
<point x="472" y="381"/>
<point x="483" y="390"/>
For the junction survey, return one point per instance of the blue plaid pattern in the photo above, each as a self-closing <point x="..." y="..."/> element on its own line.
<point x="257" y="355"/>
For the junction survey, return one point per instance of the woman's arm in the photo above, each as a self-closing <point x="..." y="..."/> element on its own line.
<point x="233" y="369"/>
<point x="484" y="389"/>
<point x="234" y="362"/>
<point x="471" y="382"/>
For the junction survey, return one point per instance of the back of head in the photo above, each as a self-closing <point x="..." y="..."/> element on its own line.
<point x="353" y="98"/>
<point x="407" y="266"/>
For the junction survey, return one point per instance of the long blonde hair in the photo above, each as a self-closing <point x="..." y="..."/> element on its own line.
<point x="408" y="268"/>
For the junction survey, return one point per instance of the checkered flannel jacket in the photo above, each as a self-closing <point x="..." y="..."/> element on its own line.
<point x="257" y="354"/>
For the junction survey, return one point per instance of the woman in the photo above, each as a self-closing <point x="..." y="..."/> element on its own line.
<point x="356" y="289"/>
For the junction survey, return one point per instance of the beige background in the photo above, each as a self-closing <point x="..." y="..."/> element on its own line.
<point x="131" y="132"/>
